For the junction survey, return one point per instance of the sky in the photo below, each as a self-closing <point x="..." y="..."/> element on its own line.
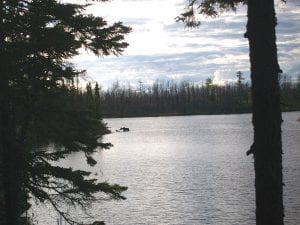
<point x="162" y="49"/>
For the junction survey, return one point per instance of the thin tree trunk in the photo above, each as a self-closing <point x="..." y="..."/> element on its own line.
<point x="9" y="172"/>
<point x="11" y="188"/>
<point x="267" y="146"/>
<point x="10" y="156"/>
<point x="2" y="207"/>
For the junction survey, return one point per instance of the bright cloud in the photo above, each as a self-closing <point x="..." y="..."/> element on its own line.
<point x="160" y="48"/>
<point x="222" y="77"/>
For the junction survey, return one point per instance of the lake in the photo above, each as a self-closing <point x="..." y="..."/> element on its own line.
<point x="187" y="170"/>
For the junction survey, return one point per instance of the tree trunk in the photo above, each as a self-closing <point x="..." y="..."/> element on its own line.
<point x="11" y="188"/>
<point x="9" y="153"/>
<point x="10" y="156"/>
<point x="11" y="159"/>
<point x="267" y="146"/>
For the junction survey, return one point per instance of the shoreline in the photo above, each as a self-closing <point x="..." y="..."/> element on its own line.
<point x="187" y="114"/>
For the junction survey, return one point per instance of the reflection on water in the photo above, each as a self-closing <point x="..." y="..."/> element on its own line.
<point x="188" y="170"/>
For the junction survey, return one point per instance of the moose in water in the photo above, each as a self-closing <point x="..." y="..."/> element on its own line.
<point x="124" y="129"/>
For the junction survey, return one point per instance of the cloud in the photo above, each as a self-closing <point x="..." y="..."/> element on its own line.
<point x="160" y="48"/>
<point x="222" y="77"/>
<point x="193" y="67"/>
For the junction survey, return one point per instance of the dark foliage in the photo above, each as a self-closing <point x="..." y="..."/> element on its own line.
<point x="185" y="98"/>
<point x="40" y="105"/>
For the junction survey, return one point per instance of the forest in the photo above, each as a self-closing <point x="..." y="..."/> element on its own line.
<point x="185" y="98"/>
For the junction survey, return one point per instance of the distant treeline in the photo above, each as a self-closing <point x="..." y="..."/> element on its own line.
<point x="186" y="98"/>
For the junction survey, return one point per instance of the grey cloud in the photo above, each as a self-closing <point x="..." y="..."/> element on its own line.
<point x="135" y="21"/>
<point x="214" y="29"/>
<point x="183" y="66"/>
<point x="190" y="65"/>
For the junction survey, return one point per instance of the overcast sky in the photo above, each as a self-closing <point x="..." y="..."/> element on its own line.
<point x="162" y="49"/>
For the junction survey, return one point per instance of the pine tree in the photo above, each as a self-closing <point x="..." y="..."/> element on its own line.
<point x="38" y="108"/>
<point x="97" y="100"/>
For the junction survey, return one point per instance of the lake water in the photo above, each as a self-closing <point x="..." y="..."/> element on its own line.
<point x="187" y="170"/>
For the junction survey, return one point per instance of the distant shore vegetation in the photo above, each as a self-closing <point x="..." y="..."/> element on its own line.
<point x="168" y="98"/>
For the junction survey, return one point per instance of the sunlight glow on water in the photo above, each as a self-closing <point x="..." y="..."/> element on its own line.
<point x="189" y="170"/>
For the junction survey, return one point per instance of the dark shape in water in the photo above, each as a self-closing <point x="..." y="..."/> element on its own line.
<point x="98" y="223"/>
<point x="124" y="129"/>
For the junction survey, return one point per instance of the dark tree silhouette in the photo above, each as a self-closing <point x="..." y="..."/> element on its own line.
<point x="171" y="98"/>
<point x="39" y="104"/>
<point x="267" y="146"/>
<point x="179" y="98"/>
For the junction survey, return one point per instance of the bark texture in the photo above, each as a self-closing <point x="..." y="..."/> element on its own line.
<point x="10" y="155"/>
<point x="267" y="146"/>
